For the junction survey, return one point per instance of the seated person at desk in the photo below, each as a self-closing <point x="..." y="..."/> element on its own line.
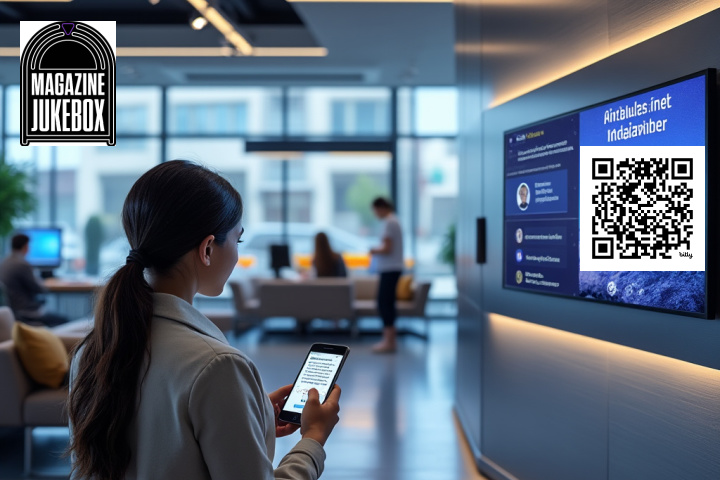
<point x="326" y="262"/>
<point x="23" y="287"/>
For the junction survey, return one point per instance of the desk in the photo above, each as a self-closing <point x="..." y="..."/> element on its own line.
<point x="71" y="298"/>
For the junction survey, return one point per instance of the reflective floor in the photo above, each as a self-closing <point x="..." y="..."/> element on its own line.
<point x="396" y="420"/>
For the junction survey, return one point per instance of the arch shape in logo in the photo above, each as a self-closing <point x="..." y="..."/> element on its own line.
<point x="67" y="86"/>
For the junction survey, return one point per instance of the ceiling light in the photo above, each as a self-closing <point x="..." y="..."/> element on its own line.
<point x="223" y="25"/>
<point x="290" y="52"/>
<point x="154" y="2"/>
<point x="198" y="23"/>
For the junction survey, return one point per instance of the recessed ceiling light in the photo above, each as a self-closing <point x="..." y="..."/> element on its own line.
<point x="198" y="23"/>
<point x="154" y="2"/>
<point x="223" y="25"/>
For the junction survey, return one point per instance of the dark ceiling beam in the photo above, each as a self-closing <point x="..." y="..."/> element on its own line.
<point x="9" y="11"/>
<point x="243" y="7"/>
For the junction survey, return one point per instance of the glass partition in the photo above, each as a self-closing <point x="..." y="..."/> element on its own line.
<point x="334" y="111"/>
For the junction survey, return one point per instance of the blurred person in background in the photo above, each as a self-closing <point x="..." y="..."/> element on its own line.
<point x="23" y="288"/>
<point x="326" y="262"/>
<point x="388" y="262"/>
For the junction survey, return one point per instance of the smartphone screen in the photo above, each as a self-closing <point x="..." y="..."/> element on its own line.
<point x="320" y="370"/>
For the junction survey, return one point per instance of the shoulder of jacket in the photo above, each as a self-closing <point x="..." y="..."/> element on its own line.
<point x="194" y="340"/>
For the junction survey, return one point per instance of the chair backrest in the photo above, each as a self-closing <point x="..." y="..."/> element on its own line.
<point x="420" y="297"/>
<point x="238" y="296"/>
<point x="7" y="319"/>
<point x="320" y="298"/>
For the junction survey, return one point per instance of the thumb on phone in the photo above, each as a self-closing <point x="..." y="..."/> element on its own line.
<point x="313" y="396"/>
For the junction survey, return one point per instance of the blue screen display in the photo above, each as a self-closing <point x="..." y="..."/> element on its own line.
<point x="45" y="247"/>
<point x="609" y="203"/>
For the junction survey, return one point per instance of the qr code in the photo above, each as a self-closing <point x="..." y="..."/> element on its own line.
<point x="642" y="208"/>
<point x="639" y="211"/>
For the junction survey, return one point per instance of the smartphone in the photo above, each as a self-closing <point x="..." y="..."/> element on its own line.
<point x="320" y="371"/>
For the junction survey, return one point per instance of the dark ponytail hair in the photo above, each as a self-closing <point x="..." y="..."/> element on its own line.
<point x="168" y="212"/>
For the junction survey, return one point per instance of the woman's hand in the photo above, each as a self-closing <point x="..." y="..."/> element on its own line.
<point x="318" y="420"/>
<point x="277" y="398"/>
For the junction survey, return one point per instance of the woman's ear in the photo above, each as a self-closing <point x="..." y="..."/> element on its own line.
<point x="205" y="249"/>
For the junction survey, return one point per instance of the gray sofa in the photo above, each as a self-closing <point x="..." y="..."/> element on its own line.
<point x="23" y="402"/>
<point x="328" y="298"/>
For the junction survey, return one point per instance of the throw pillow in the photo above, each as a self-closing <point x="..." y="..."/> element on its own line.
<point x="404" y="289"/>
<point x="42" y="354"/>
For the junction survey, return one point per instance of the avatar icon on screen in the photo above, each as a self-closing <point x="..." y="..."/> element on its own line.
<point x="519" y="235"/>
<point x="523" y="196"/>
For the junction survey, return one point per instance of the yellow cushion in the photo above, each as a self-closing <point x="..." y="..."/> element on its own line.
<point x="404" y="289"/>
<point x="42" y="354"/>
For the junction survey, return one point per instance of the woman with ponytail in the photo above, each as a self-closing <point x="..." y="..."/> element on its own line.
<point x="156" y="392"/>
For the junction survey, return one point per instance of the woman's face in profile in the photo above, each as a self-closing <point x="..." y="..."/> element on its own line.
<point x="222" y="261"/>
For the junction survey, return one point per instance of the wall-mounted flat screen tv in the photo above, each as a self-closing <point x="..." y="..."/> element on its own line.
<point x="610" y="203"/>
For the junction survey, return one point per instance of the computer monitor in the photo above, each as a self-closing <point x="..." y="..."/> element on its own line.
<point x="45" y="247"/>
<point x="279" y="258"/>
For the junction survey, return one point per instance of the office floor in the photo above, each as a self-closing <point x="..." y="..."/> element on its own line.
<point x="396" y="420"/>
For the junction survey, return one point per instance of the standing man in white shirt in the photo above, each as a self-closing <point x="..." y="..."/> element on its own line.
<point x="389" y="264"/>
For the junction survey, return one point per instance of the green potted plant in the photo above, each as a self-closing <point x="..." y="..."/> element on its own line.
<point x="447" y="251"/>
<point x="16" y="201"/>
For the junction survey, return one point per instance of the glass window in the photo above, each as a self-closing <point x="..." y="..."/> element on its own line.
<point x="103" y="177"/>
<point x="404" y="110"/>
<point x="224" y="110"/>
<point x="360" y="111"/>
<point x="181" y="119"/>
<point x="435" y="111"/>
<point x="369" y="119"/>
<point x="12" y="110"/>
<point x="137" y="110"/>
<point x="226" y="156"/>
<point x="36" y="161"/>
<point x="362" y="118"/>
<point x="298" y="206"/>
<point x="343" y="187"/>
<point x="428" y="190"/>
<point x="297" y="170"/>
<point x="338" y="118"/>
<point x="90" y="182"/>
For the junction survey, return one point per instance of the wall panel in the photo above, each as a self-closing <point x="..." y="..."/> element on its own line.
<point x="606" y="391"/>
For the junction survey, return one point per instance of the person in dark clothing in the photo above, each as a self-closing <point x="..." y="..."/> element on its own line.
<point x="327" y="263"/>
<point x="23" y="288"/>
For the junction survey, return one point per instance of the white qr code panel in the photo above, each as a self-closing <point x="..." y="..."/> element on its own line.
<point x="642" y="209"/>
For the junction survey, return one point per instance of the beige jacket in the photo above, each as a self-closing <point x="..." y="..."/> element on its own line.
<point x="203" y="411"/>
